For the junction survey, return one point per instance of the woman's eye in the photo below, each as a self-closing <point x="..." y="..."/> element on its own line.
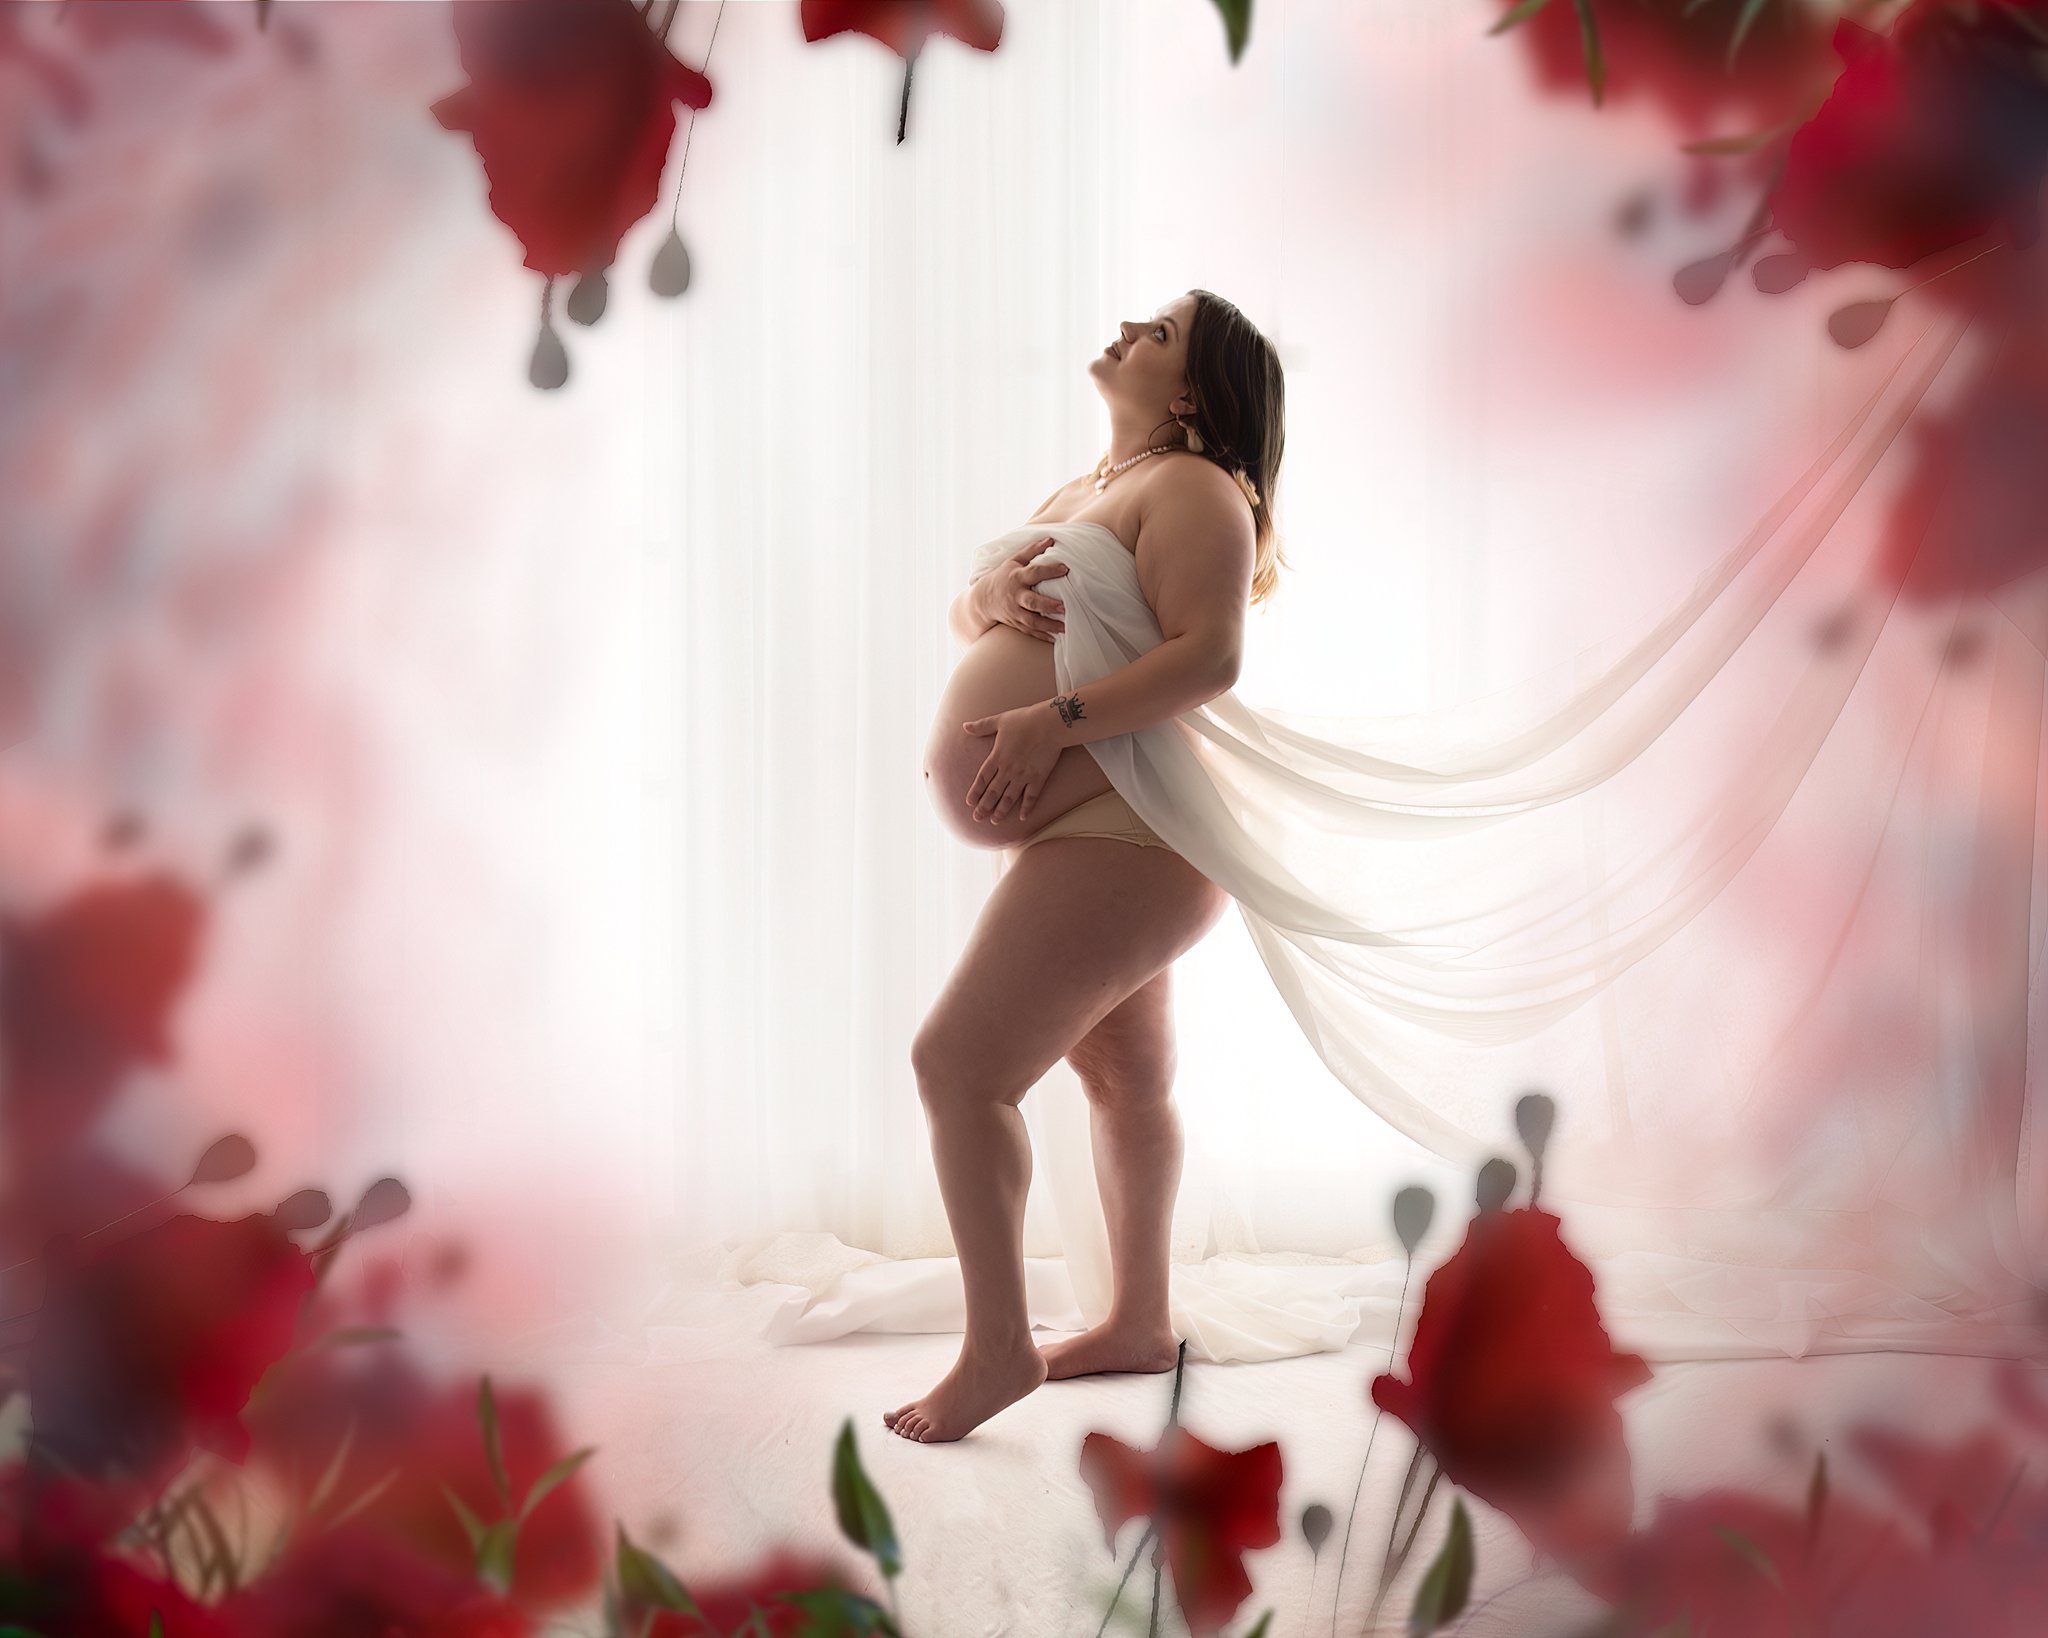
<point x="1160" y="332"/>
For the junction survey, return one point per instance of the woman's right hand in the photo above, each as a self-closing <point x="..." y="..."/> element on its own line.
<point x="1009" y="597"/>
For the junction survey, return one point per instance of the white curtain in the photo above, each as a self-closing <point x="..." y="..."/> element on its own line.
<point x="1797" y="1118"/>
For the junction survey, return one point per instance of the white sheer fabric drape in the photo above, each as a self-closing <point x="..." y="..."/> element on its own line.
<point x="1722" y="850"/>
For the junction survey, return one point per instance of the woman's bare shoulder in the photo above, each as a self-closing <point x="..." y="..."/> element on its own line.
<point x="1189" y="482"/>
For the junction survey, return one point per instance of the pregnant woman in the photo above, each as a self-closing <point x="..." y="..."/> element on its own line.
<point x="1071" y="954"/>
<point x="1423" y="890"/>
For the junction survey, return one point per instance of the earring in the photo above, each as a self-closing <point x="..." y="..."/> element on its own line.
<point x="1194" y="437"/>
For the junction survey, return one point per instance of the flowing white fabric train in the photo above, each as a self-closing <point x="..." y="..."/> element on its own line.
<point x="1419" y="886"/>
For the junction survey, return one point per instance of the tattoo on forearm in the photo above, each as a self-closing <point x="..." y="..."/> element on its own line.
<point x="1068" y="706"/>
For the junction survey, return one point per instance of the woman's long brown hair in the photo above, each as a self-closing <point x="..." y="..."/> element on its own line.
<point x="1241" y="415"/>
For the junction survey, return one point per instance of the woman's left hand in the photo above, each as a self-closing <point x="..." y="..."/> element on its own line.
<point x="1028" y="743"/>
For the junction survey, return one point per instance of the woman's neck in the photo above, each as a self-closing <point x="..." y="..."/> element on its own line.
<point x="1128" y="441"/>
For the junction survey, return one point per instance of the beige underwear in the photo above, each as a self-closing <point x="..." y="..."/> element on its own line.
<point x="1105" y="815"/>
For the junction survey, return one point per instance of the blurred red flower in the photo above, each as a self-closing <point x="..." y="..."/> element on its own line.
<point x="355" y="1581"/>
<point x="1512" y="1383"/>
<point x="904" y="25"/>
<point x="397" y="1419"/>
<point x="148" y="1344"/>
<point x="1935" y="133"/>
<point x="1673" y="54"/>
<point x="86" y="991"/>
<point x="1732" y="1562"/>
<point x="1967" y="517"/>
<point x="727" y="1605"/>
<point x="571" y="108"/>
<point x="1209" y="1507"/>
<point x="82" y="1591"/>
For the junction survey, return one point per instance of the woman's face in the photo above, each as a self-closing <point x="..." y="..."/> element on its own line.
<point x="1147" y="365"/>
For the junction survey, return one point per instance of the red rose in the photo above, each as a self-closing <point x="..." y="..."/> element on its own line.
<point x="1209" y="1507"/>
<point x="571" y="108"/>
<point x="86" y="991"/>
<point x="149" y="1343"/>
<point x="1934" y="134"/>
<point x="727" y="1605"/>
<point x="1736" y="1563"/>
<point x="1673" y="54"/>
<point x="1512" y="1383"/>
<point x="57" y="1575"/>
<point x="428" y="1432"/>
<point x="355" y="1581"/>
<point x="904" y="25"/>
<point x="1967" y="519"/>
<point x="89" y="1593"/>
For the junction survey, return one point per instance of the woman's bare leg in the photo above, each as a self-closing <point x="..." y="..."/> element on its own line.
<point x="1072" y="928"/>
<point x="1126" y="1066"/>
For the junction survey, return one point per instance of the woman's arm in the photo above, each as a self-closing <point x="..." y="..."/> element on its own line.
<point x="1196" y="546"/>
<point x="966" y="616"/>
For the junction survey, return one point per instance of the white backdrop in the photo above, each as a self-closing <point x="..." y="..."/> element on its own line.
<point x="1507" y="441"/>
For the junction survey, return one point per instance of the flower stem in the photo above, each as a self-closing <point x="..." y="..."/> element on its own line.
<point x="903" y="116"/>
<point x="1117" y="1596"/>
<point x="1400" y="1309"/>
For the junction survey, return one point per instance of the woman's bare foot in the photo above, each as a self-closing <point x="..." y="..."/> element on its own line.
<point x="1111" y="1347"/>
<point x="967" y="1396"/>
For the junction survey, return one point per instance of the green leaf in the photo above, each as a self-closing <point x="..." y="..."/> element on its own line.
<point x="1589" y="43"/>
<point x="156" y="1624"/>
<point x="487" y="1415"/>
<point x="472" y="1526"/>
<point x="1521" y="14"/>
<point x="862" y="1515"/>
<point x="1752" y="1552"/>
<point x="1448" y="1584"/>
<point x="328" y="1479"/>
<point x="644" y="1579"/>
<point x="345" y="1336"/>
<point x="364" y="1501"/>
<point x="837" y="1613"/>
<point x="494" y="1556"/>
<point x="1751" y="9"/>
<point x="1266" y="1620"/>
<point x="1748" y="142"/>
<point x="1237" y="24"/>
<point x="554" y="1476"/>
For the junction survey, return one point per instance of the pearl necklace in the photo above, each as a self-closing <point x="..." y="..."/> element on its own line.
<point x="1102" y="477"/>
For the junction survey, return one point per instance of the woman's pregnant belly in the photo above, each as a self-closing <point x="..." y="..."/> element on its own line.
<point x="1001" y="670"/>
